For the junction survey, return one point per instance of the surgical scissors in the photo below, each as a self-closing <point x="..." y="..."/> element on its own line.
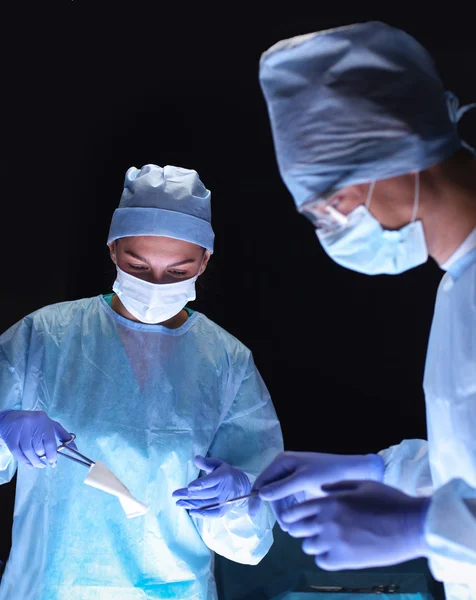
<point x="82" y="460"/>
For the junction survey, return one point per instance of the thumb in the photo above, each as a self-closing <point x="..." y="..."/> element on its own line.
<point x="62" y="434"/>
<point x="207" y="464"/>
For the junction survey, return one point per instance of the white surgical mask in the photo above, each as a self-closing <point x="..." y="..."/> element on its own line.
<point x="153" y="302"/>
<point x="363" y="245"/>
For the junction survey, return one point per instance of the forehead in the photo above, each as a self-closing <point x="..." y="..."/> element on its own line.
<point x="154" y="245"/>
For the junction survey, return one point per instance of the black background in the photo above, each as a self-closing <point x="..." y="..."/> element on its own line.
<point x="90" y="89"/>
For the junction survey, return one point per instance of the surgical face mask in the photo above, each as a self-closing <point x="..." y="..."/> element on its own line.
<point x="153" y="302"/>
<point x="360" y="243"/>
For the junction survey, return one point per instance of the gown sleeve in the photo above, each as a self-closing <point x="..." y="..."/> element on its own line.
<point x="249" y="438"/>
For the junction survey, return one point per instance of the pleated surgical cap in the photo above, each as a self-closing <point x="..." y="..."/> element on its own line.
<point x="354" y="104"/>
<point x="169" y="201"/>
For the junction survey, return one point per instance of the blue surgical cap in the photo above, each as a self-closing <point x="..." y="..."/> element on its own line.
<point x="168" y="201"/>
<point x="354" y="104"/>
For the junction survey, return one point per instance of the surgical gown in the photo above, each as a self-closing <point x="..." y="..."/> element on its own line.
<point x="445" y="465"/>
<point x="144" y="400"/>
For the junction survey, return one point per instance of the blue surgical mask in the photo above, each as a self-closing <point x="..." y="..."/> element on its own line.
<point x="363" y="245"/>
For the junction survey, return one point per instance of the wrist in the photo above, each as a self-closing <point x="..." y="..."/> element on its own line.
<point x="2" y="414"/>
<point x="415" y="525"/>
<point x="366" y="467"/>
<point x="376" y="466"/>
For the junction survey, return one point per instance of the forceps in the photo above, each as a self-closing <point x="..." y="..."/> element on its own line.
<point x="229" y="501"/>
<point x="375" y="589"/>
<point x="82" y="460"/>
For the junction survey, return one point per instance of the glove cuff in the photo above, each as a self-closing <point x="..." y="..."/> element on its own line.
<point x="376" y="467"/>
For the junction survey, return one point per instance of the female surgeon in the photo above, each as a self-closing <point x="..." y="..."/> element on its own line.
<point x="157" y="392"/>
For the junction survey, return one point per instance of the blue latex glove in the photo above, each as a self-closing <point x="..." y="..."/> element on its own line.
<point x="221" y="483"/>
<point x="359" y="524"/>
<point x="294" y="477"/>
<point x="29" y="434"/>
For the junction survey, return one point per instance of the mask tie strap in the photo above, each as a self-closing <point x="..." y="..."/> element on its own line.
<point x="369" y="194"/>
<point x="456" y="111"/>
<point x="416" y="203"/>
<point x="201" y="263"/>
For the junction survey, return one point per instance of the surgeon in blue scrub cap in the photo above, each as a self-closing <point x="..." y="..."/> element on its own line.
<point x="366" y="142"/>
<point x="171" y="402"/>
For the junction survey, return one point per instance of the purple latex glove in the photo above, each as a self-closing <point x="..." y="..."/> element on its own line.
<point x="29" y="434"/>
<point x="221" y="483"/>
<point x="358" y="525"/>
<point x="294" y="477"/>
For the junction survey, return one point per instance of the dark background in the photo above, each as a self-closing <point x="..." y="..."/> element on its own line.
<point x="91" y="89"/>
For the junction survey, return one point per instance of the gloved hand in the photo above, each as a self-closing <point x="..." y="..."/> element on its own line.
<point x="359" y="524"/>
<point x="29" y="434"/>
<point x="294" y="477"/>
<point x="221" y="483"/>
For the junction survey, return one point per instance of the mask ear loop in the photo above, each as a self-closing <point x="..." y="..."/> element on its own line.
<point x="201" y="263"/>
<point x="370" y="194"/>
<point x="416" y="202"/>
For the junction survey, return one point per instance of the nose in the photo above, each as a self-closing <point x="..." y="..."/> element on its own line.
<point x="159" y="278"/>
<point x="152" y="277"/>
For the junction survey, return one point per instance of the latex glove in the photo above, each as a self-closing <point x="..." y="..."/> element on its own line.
<point x="359" y="524"/>
<point x="29" y="434"/>
<point x="294" y="477"/>
<point x="221" y="483"/>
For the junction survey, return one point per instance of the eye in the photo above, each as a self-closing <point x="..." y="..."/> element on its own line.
<point x="137" y="267"/>
<point x="178" y="273"/>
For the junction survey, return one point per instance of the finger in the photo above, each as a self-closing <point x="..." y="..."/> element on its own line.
<point x="180" y="493"/>
<point x="279" y="489"/>
<point x="207" y="481"/>
<point x="281" y="467"/>
<point x="315" y="545"/>
<point x="196" y="503"/>
<point x="207" y="464"/>
<point x="293" y="484"/>
<point x="31" y="455"/>
<point x="41" y="439"/>
<point x="326" y="562"/>
<point x="279" y="507"/>
<point x="302" y="511"/>
<point x="61" y="433"/>
<point x="186" y="494"/>
<point x="341" y="486"/>
<point x="212" y="513"/>
<point x="184" y="504"/>
<point x="254" y="505"/>
<point x="49" y="444"/>
<point x="305" y="528"/>
<point x="192" y="484"/>
<point x="40" y="451"/>
<point x="203" y="493"/>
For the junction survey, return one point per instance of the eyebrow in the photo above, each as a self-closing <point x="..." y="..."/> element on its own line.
<point x="137" y="257"/>
<point x="183" y="262"/>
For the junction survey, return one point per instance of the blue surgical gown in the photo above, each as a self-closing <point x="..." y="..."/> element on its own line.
<point x="144" y="400"/>
<point x="444" y="467"/>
